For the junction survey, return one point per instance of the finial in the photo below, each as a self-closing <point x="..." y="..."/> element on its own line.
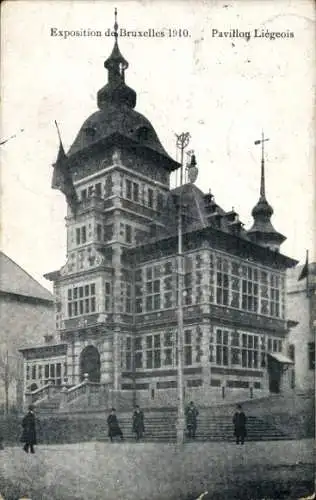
<point x="192" y="170"/>
<point x="115" y="23"/>
<point x="262" y="181"/>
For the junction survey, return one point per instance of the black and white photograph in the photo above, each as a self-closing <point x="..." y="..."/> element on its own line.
<point x="157" y="261"/>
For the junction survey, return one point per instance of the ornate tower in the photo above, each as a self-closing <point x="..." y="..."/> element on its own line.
<point x="120" y="172"/>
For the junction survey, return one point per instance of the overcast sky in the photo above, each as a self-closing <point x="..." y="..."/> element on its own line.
<point x="223" y="91"/>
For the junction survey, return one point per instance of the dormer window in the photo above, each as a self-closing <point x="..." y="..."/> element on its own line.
<point x="90" y="131"/>
<point x="143" y="134"/>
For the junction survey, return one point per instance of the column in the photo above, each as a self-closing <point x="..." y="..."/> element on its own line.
<point x="206" y="374"/>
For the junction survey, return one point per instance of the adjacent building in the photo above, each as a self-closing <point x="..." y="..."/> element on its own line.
<point x="301" y="304"/>
<point x="27" y="314"/>
<point x="117" y="296"/>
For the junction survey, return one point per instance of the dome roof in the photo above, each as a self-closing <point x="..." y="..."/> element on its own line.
<point x="122" y="120"/>
<point x="262" y="208"/>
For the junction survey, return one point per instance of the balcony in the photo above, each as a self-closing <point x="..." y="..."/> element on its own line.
<point x="93" y="203"/>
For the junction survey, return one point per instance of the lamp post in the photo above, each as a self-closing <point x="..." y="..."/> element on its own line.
<point x="182" y="142"/>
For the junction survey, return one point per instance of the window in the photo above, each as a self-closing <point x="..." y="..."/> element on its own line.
<point x="128" y="353"/>
<point x="143" y="133"/>
<point x="153" y="351"/>
<point x="274" y="295"/>
<point x="135" y="192"/>
<point x="128" y="185"/>
<point x="108" y="232"/>
<point x="250" y="351"/>
<point x="108" y="186"/>
<point x="83" y="194"/>
<point x="128" y="233"/>
<point x="222" y="285"/>
<point x="311" y="355"/>
<point x="98" y="189"/>
<point x="150" y="198"/>
<point x="274" y="345"/>
<point x="250" y="289"/>
<point x="81" y="300"/>
<point x="187" y="347"/>
<point x="52" y="371"/>
<point x="149" y="352"/>
<point x="188" y="285"/>
<point x="58" y="373"/>
<point x="152" y="288"/>
<point x="160" y="202"/>
<point x="221" y="351"/>
<point x="235" y="348"/>
<point x="168" y="349"/>
<point x="138" y="353"/>
<point x="246" y="287"/>
<point x="99" y="232"/>
<point x="138" y="292"/>
<point x="81" y="235"/>
<point x="107" y="296"/>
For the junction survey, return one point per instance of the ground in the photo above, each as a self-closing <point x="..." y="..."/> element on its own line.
<point x="143" y="471"/>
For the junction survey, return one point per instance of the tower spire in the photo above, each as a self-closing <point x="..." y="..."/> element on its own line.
<point x="116" y="92"/>
<point x="262" y="230"/>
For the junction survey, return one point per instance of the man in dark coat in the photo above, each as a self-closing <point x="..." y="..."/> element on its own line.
<point x="239" y="421"/>
<point x="138" y="423"/>
<point x="191" y="418"/>
<point x="114" y="428"/>
<point x="29" y="431"/>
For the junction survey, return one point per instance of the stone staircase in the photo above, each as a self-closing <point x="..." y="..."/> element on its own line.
<point x="48" y="406"/>
<point x="273" y="418"/>
<point x="210" y="428"/>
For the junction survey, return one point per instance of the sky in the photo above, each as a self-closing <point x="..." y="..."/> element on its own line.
<point x="223" y="90"/>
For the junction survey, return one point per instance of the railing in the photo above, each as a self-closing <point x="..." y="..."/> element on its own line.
<point x="75" y="392"/>
<point x="92" y="391"/>
<point x="45" y="392"/>
<point x="92" y="202"/>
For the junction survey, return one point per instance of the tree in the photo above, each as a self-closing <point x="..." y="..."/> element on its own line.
<point x="8" y="373"/>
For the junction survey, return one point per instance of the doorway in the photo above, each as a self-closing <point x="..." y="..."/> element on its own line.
<point x="90" y="364"/>
<point x="275" y="372"/>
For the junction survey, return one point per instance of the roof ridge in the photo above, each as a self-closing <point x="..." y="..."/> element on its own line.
<point x="28" y="275"/>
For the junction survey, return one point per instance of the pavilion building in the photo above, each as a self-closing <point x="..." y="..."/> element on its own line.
<point x="116" y="297"/>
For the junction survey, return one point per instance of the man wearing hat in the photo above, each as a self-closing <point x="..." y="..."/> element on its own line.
<point x="191" y="418"/>
<point x="239" y="421"/>
<point x="29" y="431"/>
<point x="113" y="425"/>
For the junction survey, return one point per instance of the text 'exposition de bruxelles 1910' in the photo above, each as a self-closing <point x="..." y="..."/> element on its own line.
<point x="174" y="32"/>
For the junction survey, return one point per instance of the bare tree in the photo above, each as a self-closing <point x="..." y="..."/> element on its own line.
<point x="8" y="373"/>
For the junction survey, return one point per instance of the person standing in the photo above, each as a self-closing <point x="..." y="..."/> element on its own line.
<point x="239" y="421"/>
<point x="138" y="423"/>
<point x="191" y="418"/>
<point x="29" y="430"/>
<point x="113" y="425"/>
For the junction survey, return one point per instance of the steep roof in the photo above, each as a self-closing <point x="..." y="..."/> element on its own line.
<point x="199" y="211"/>
<point x="14" y="280"/>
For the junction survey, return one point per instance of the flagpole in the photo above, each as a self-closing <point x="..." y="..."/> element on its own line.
<point x="58" y="131"/>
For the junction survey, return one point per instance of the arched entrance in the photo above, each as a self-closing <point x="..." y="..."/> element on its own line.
<point x="90" y="363"/>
